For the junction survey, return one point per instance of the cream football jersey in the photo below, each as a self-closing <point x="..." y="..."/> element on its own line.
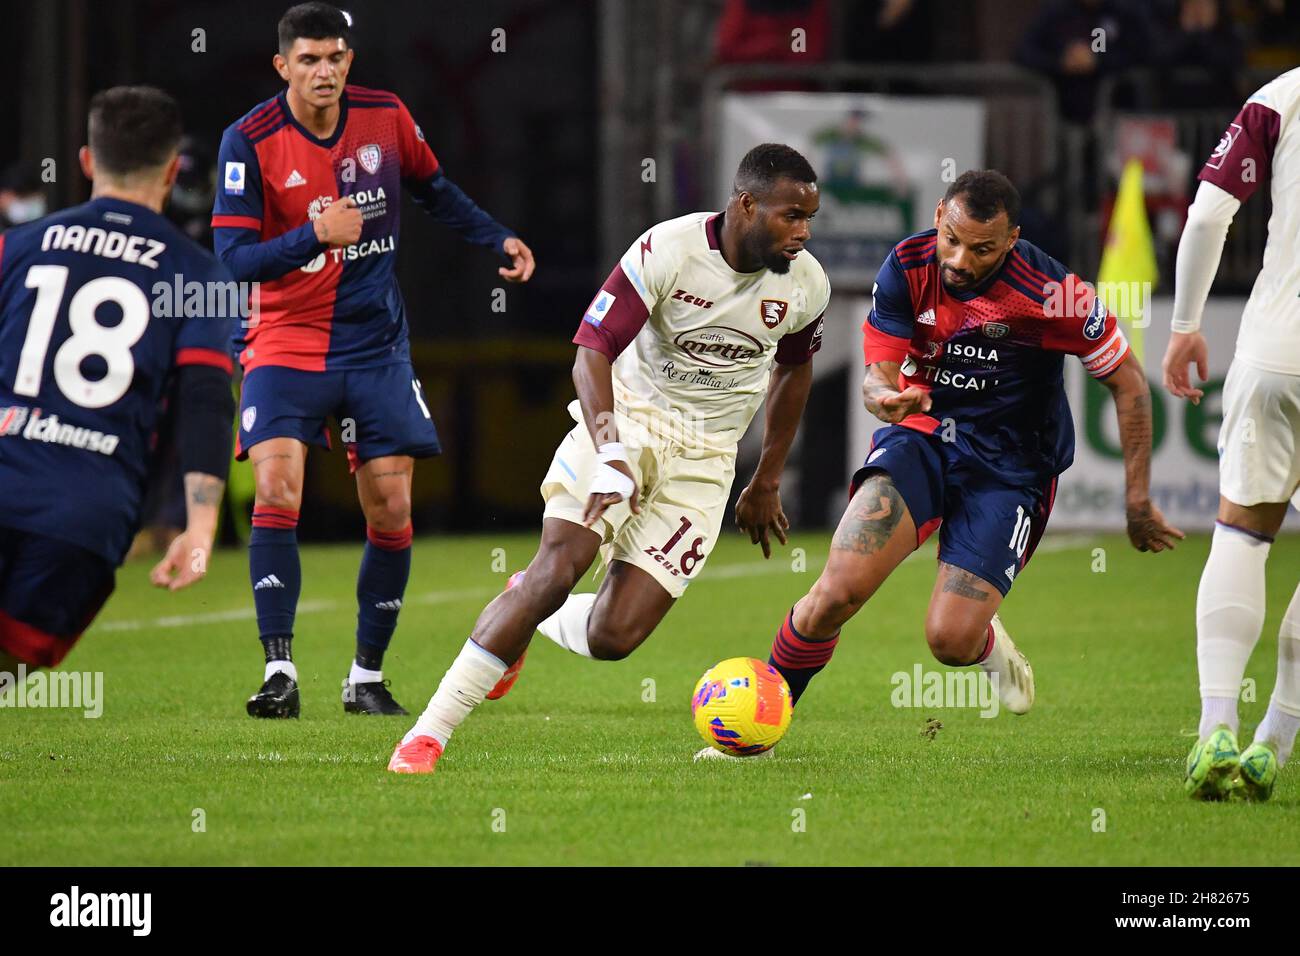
<point x="691" y="340"/>
<point x="1263" y="144"/>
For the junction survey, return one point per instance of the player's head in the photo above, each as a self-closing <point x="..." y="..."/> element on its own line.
<point x="134" y="135"/>
<point x="772" y="203"/>
<point x="315" y="52"/>
<point x="978" y="222"/>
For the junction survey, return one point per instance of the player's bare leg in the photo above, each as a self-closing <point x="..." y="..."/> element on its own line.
<point x="278" y="468"/>
<point x="628" y="607"/>
<point x="384" y="490"/>
<point x="873" y="537"/>
<point x="498" y="640"/>
<point x="608" y="625"/>
<point x="1229" y="616"/>
<point x="962" y="627"/>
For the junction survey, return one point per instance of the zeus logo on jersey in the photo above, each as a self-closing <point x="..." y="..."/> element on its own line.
<point x="682" y="295"/>
<point x="234" y="179"/>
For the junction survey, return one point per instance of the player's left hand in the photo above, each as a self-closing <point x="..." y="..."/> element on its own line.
<point x="1185" y="349"/>
<point x="186" y="561"/>
<point x="522" y="270"/>
<point x="758" y="511"/>
<point x="1147" y="529"/>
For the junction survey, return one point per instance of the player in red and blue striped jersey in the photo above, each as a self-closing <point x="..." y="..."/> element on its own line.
<point x="91" y="342"/>
<point x="308" y="204"/>
<point x="965" y="346"/>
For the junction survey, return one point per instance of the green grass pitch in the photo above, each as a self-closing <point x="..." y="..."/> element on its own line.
<point x="583" y="764"/>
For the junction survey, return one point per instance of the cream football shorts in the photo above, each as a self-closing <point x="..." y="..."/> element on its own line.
<point x="682" y="494"/>
<point x="1258" y="459"/>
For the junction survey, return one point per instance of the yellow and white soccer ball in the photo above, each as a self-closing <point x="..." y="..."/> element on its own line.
<point x="742" y="706"/>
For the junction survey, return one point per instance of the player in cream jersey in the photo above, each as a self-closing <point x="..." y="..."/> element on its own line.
<point x="703" y="317"/>
<point x="704" y="333"/>
<point x="1259" y="440"/>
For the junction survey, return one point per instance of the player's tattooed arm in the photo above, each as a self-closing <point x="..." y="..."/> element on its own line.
<point x="882" y="397"/>
<point x="872" y="518"/>
<point x="186" y="560"/>
<point x="1147" y="529"/>
<point x="758" y="509"/>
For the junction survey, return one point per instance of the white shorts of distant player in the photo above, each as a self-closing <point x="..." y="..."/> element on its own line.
<point x="683" y="500"/>
<point x="1259" y="441"/>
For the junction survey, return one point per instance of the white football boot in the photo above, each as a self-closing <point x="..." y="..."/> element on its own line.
<point x="1009" y="670"/>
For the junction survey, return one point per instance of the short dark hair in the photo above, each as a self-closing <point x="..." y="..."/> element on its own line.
<point x="768" y="162"/>
<point x="133" y="128"/>
<point x="315" y="21"/>
<point x="985" y="193"/>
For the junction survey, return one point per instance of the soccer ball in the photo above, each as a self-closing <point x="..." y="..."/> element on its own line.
<point x="742" y="706"/>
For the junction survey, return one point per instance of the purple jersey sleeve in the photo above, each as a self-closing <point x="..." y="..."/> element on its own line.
<point x="1244" y="157"/>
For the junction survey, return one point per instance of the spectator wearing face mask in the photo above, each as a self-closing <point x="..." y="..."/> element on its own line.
<point x="21" y="198"/>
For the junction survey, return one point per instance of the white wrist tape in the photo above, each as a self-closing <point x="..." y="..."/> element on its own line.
<point x="609" y="480"/>
<point x="611" y="451"/>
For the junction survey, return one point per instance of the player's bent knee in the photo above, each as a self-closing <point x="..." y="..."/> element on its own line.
<point x="954" y="646"/>
<point x="612" y="640"/>
<point x="612" y="643"/>
<point x="277" y="488"/>
<point x="392" y="513"/>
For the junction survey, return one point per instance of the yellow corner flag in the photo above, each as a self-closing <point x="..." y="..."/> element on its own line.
<point x="1128" y="271"/>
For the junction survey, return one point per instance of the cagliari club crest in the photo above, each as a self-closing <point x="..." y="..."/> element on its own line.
<point x="369" y="156"/>
<point x="773" y="311"/>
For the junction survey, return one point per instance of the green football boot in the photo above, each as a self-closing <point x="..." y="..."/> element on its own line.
<point x="1212" y="764"/>
<point x="1258" y="772"/>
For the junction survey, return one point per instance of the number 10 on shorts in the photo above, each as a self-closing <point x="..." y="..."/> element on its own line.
<point x="1020" y="536"/>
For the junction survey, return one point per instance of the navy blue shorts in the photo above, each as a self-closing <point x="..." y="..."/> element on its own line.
<point x="380" y="410"/>
<point x="50" y="591"/>
<point x="985" y="527"/>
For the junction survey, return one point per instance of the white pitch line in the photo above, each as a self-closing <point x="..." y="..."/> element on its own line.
<point x="250" y="614"/>
<point x="724" y="572"/>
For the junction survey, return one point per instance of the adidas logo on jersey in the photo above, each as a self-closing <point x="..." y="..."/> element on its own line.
<point x="295" y="179"/>
<point x="394" y="605"/>
<point x="270" y="581"/>
<point x="926" y="317"/>
<point x="1010" y="572"/>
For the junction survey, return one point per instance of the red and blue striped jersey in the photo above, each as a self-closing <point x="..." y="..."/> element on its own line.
<point x="98" y="304"/>
<point x="992" y="358"/>
<point x="319" y="308"/>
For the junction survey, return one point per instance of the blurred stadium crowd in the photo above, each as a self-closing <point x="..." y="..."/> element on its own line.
<point x="552" y="132"/>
